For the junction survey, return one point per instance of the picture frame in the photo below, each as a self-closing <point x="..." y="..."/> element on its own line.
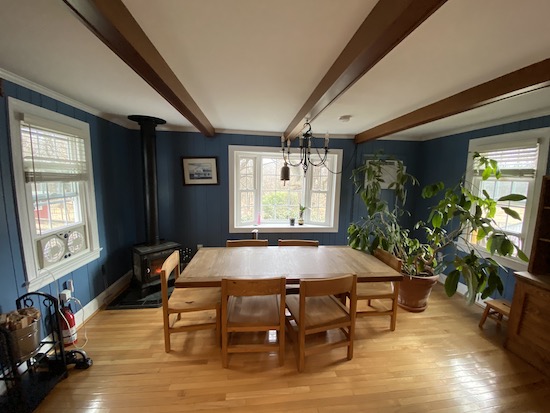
<point x="200" y="171"/>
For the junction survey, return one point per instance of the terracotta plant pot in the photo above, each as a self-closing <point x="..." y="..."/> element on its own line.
<point x="414" y="292"/>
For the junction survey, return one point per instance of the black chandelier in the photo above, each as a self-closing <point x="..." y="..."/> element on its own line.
<point x="305" y="144"/>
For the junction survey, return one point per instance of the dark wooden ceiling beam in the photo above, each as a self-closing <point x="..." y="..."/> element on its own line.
<point x="385" y="27"/>
<point x="527" y="79"/>
<point x="111" y="21"/>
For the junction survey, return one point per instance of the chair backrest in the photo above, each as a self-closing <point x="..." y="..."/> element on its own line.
<point x="170" y="264"/>
<point x="298" y="243"/>
<point x="389" y="259"/>
<point x="247" y="243"/>
<point x="329" y="286"/>
<point x="243" y="287"/>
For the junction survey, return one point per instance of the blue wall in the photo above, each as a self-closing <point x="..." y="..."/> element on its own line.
<point x="199" y="214"/>
<point x="117" y="169"/>
<point x="194" y="215"/>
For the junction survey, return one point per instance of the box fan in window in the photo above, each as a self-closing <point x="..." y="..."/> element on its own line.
<point x="59" y="246"/>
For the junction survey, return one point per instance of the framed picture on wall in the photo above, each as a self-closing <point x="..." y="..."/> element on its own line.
<point x="200" y="171"/>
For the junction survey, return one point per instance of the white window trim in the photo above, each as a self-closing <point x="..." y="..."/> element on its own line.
<point x="38" y="278"/>
<point x="282" y="228"/>
<point x="541" y="135"/>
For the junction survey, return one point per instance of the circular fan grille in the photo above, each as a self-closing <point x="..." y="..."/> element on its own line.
<point x="75" y="242"/>
<point x="54" y="250"/>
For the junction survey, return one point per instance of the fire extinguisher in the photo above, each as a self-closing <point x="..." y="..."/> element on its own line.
<point x="68" y="326"/>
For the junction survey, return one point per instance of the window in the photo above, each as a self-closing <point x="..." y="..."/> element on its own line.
<point x="258" y="197"/>
<point x="54" y="188"/>
<point x="522" y="159"/>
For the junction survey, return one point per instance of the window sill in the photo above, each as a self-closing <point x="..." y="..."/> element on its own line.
<point x="281" y="228"/>
<point x="48" y="275"/>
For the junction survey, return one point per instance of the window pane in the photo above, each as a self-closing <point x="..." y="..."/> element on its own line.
<point x="318" y="207"/>
<point x="247" y="206"/>
<point x="320" y="179"/>
<point x="280" y="200"/>
<point x="56" y="205"/>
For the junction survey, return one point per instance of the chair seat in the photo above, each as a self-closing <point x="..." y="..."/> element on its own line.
<point x="321" y="311"/>
<point x="253" y="311"/>
<point x="252" y="306"/>
<point x="194" y="299"/>
<point x="374" y="290"/>
<point x="188" y="301"/>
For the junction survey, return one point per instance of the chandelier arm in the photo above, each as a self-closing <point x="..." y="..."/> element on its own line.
<point x="287" y="160"/>
<point x="322" y="160"/>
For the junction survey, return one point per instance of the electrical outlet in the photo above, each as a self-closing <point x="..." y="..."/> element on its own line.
<point x="65" y="295"/>
<point x="439" y="256"/>
<point x="69" y="285"/>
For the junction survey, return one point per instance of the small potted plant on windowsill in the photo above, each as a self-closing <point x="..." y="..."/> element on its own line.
<point x="301" y="215"/>
<point x="454" y="222"/>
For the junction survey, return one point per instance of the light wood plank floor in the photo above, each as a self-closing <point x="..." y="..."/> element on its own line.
<point x="436" y="361"/>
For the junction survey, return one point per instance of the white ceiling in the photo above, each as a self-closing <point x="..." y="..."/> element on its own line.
<point x="250" y="65"/>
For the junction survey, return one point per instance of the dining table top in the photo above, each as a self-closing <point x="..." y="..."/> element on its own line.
<point x="211" y="264"/>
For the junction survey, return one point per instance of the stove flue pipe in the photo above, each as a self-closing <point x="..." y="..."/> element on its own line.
<point x="148" y="138"/>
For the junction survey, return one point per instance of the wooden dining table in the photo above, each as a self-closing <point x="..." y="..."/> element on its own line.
<point x="211" y="264"/>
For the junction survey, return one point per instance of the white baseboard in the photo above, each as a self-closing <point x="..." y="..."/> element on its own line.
<point x="103" y="299"/>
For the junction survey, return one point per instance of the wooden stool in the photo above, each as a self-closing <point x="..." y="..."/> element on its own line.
<point x="495" y="309"/>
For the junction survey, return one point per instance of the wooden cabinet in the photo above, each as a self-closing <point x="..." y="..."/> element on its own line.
<point x="539" y="262"/>
<point x="529" y="322"/>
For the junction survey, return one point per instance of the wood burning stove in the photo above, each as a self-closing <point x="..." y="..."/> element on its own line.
<point x="148" y="261"/>
<point x="148" y="257"/>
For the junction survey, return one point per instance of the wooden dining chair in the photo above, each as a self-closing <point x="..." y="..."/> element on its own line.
<point x="252" y="305"/>
<point x="317" y="309"/>
<point x="298" y="243"/>
<point x="295" y="288"/>
<point x="246" y="243"/>
<point x="186" y="300"/>
<point x="381" y="291"/>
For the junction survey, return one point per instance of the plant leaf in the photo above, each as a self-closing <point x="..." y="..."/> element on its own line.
<point x="506" y="247"/>
<point x="512" y="213"/>
<point x="522" y="255"/>
<point x="437" y="219"/>
<point x="512" y="197"/>
<point x="451" y="283"/>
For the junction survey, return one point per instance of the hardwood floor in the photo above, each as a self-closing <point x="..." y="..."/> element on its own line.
<point x="436" y="361"/>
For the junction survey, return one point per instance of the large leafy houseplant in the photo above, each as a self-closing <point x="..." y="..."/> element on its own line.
<point x="460" y="224"/>
<point x="381" y="226"/>
<point x="454" y="222"/>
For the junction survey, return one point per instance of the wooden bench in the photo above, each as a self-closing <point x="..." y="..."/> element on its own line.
<point x="495" y="309"/>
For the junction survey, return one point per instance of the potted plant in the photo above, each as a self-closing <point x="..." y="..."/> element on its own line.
<point x="301" y="214"/>
<point x="382" y="227"/>
<point x="458" y="218"/>
<point x="456" y="226"/>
